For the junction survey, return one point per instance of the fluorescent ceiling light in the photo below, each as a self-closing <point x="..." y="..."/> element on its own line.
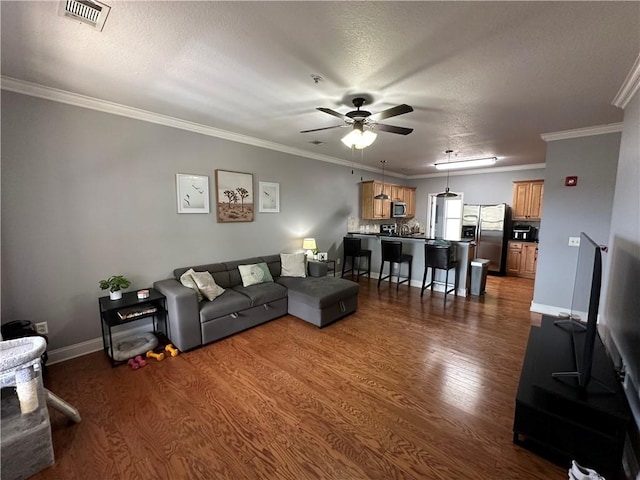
<point x="359" y="139"/>
<point x="480" y="162"/>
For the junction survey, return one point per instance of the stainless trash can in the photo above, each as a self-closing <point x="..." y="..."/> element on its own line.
<point x="479" y="270"/>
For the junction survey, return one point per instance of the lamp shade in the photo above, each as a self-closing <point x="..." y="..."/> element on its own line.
<point x="359" y="138"/>
<point x="309" y="244"/>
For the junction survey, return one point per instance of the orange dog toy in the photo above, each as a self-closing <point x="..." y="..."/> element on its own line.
<point x="158" y="356"/>
<point x="173" y="351"/>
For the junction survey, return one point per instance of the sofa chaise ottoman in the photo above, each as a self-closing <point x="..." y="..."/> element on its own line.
<point x="315" y="298"/>
<point x="322" y="300"/>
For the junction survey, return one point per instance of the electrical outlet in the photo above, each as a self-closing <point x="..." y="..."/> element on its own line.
<point x="337" y="261"/>
<point x="574" y="241"/>
<point x="42" y="328"/>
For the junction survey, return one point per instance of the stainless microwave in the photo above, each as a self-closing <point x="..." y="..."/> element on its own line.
<point x="398" y="209"/>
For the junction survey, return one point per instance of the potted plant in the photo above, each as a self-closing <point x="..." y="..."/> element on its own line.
<point x="115" y="284"/>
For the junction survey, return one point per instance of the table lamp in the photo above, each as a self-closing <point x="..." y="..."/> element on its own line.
<point x="309" y="244"/>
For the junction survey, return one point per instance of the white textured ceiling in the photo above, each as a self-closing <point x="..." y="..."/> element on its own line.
<point x="484" y="78"/>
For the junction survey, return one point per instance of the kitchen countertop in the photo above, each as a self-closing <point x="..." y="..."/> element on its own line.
<point x="415" y="236"/>
<point x="414" y="245"/>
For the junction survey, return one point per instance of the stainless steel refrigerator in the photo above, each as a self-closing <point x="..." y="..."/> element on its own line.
<point x="490" y="222"/>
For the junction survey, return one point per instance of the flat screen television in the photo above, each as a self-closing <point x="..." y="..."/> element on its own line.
<point x="583" y="320"/>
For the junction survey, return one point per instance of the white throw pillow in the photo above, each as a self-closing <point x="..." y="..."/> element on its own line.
<point x="187" y="280"/>
<point x="207" y="285"/>
<point x="254" y="274"/>
<point x="293" y="264"/>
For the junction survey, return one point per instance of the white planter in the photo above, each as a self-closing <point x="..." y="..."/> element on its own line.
<point x="115" y="295"/>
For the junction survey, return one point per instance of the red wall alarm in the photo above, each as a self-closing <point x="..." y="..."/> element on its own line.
<point x="570" y="181"/>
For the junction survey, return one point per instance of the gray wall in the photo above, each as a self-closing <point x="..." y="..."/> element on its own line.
<point x="567" y="211"/>
<point x="621" y="298"/>
<point x="87" y="194"/>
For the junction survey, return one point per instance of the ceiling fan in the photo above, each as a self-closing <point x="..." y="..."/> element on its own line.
<point x="362" y="121"/>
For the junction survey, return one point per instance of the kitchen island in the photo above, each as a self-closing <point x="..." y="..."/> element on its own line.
<point x="414" y="245"/>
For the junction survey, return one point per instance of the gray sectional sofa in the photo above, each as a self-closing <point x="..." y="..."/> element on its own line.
<point x="316" y="298"/>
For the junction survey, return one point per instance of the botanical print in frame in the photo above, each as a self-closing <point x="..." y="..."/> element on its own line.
<point x="269" y="197"/>
<point x="234" y="196"/>
<point x="192" y="193"/>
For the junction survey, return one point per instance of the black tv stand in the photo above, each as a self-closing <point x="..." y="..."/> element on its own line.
<point x="570" y="321"/>
<point x="561" y="420"/>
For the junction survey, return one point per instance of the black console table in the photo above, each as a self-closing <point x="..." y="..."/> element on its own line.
<point x="559" y="420"/>
<point x="133" y="308"/>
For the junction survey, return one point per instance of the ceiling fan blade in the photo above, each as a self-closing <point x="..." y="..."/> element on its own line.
<point x="391" y="112"/>
<point x="334" y="113"/>
<point x="324" y="128"/>
<point x="393" y="129"/>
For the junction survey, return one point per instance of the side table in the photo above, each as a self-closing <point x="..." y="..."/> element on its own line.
<point x="129" y="309"/>
<point x="331" y="265"/>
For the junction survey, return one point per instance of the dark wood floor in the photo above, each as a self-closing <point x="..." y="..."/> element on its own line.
<point x="404" y="388"/>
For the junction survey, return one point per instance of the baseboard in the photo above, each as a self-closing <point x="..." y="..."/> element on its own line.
<point x="89" y="346"/>
<point x="548" y="309"/>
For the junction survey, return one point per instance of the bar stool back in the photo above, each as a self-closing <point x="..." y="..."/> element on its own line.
<point x="440" y="257"/>
<point x="392" y="253"/>
<point x="353" y="249"/>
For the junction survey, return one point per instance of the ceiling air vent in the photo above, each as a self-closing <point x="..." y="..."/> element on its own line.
<point x="89" y="12"/>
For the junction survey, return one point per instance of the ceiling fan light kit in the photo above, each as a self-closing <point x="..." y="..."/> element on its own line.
<point x="479" y="162"/>
<point x="359" y="139"/>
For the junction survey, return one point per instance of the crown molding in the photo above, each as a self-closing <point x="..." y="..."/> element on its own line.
<point x="582" y="132"/>
<point x="83" y="101"/>
<point x="62" y="96"/>
<point x="629" y="87"/>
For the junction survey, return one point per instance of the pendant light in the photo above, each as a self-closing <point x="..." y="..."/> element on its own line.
<point x="382" y="195"/>
<point x="447" y="193"/>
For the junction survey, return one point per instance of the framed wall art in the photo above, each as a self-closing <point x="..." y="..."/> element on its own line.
<point x="192" y="193"/>
<point x="269" y="194"/>
<point x="234" y="196"/>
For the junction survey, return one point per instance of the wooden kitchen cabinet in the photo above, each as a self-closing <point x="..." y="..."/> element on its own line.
<point x="410" y="200"/>
<point x="527" y="200"/>
<point x="514" y="258"/>
<point x="372" y="209"/>
<point x="522" y="259"/>
<point x="397" y="193"/>
<point x="529" y="260"/>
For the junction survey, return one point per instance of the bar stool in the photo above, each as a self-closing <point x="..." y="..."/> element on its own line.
<point x="392" y="253"/>
<point x="440" y="257"/>
<point x="353" y="249"/>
